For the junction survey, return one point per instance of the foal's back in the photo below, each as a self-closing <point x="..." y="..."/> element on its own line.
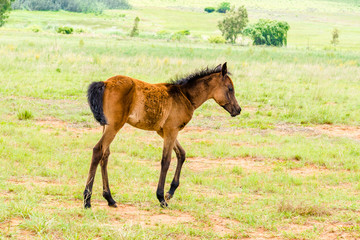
<point x="143" y="105"/>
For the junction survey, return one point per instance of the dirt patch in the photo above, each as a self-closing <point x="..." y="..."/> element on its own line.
<point x="222" y="226"/>
<point x="11" y="229"/>
<point x="352" y="132"/>
<point x="327" y="230"/>
<point x="310" y="170"/>
<point x="132" y="214"/>
<point x="251" y="163"/>
<point x="339" y="130"/>
<point x="53" y="124"/>
<point x="36" y="180"/>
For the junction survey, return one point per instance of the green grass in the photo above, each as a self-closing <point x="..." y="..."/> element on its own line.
<point x="268" y="172"/>
<point x="24" y="115"/>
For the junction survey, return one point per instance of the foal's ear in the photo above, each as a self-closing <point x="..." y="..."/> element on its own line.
<point x="218" y="68"/>
<point x="224" y="69"/>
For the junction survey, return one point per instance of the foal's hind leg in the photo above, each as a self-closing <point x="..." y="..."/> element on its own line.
<point x="105" y="179"/>
<point x="180" y="155"/>
<point x="100" y="153"/>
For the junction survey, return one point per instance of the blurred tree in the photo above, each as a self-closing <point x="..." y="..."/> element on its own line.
<point x="223" y="7"/>
<point x="5" y="7"/>
<point x="233" y="23"/>
<point x="135" y="30"/>
<point x="87" y="6"/>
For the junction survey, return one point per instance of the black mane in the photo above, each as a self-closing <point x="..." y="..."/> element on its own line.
<point x="194" y="76"/>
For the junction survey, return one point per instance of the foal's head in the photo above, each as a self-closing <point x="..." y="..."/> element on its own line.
<point x="224" y="93"/>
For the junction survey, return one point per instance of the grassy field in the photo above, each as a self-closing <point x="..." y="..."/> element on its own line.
<point x="287" y="168"/>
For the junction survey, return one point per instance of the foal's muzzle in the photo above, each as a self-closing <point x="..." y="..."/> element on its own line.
<point x="233" y="110"/>
<point x="236" y="112"/>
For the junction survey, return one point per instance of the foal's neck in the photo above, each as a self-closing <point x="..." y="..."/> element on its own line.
<point x="199" y="91"/>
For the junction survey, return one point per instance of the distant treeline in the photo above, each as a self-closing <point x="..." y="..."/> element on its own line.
<point x="87" y="6"/>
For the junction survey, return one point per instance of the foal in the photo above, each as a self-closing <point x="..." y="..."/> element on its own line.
<point x="165" y="108"/>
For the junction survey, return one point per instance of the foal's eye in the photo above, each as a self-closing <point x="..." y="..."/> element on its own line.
<point x="231" y="89"/>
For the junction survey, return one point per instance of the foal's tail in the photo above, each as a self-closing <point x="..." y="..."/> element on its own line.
<point x="95" y="96"/>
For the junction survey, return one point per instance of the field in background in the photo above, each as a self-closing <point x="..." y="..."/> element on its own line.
<point x="287" y="168"/>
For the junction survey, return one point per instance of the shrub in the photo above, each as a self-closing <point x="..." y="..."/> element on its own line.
<point x="233" y="23"/>
<point x="24" y="115"/>
<point x="5" y="7"/>
<point x="80" y="30"/>
<point x="268" y="32"/>
<point x="35" y="28"/>
<point x="163" y="34"/>
<point x="183" y="32"/>
<point x="180" y="34"/>
<point x="135" y="30"/>
<point x="223" y="7"/>
<point x="216" y="39"/>
<point x="65" y="30"/>
<point x="176" y="36"/>
<point x="209" y="9"/>
<point x="335" y="37"/>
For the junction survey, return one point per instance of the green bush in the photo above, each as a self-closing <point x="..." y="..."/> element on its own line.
<point x="216" y="39"/>
<point x="35" y="28"/>
<point x="65" y="30"/>
<point x="183" y="32"/>
<point x="209" y="9"/>
<point x="180" y="34"/>
<point x="268" y="32"/>
<point x="223" y="7"/>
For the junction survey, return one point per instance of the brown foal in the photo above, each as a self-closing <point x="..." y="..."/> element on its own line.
<point x="165" y="108"/>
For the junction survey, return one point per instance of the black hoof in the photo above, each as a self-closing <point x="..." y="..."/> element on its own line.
<point x="168" y="196"/>
<point x="163" y="204"/>
<point x="113" y="205"/>
<point x="87" y="205"/>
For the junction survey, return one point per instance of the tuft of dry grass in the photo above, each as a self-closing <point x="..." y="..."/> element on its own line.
<point x="303" y="209"/>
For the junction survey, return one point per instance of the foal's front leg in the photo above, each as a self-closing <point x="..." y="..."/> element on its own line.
<point x="180" y="155"/>
<point x="169" y="141"/>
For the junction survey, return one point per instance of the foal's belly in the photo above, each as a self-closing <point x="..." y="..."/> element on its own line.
<point x="146" y="121"/>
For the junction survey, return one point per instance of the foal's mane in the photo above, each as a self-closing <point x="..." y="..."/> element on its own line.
<point x="181" y="80"/>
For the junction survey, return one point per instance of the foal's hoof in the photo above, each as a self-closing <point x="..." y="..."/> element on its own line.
<point x="163" y="204"/>
<point x="168" y="196"/>
<point x="87" y="205"/>
<point x="113" y="205"/>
